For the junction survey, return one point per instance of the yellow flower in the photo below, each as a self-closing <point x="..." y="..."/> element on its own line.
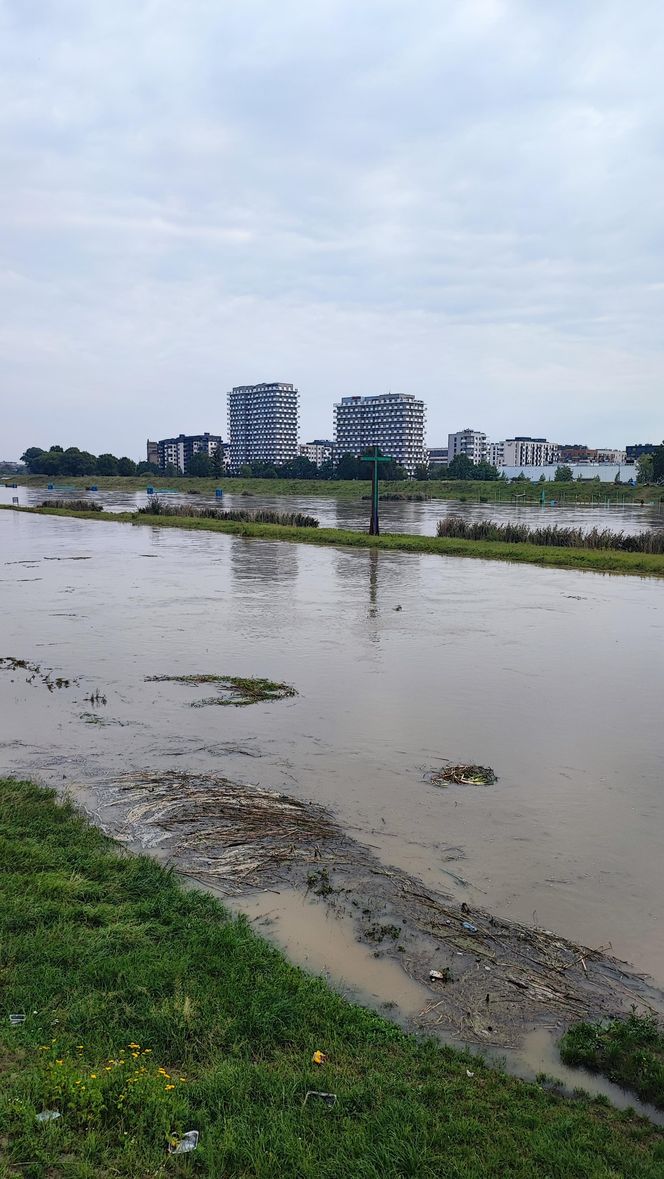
<point x="182" y="1079"/>
<point x="132" y="1045"/>
<point x="108" y="1069"/>
<point x="93" y="1076"/>
<point x="135" y="1055"/>
<point x="43" y="1047"/>
<point x="146" y="1050"/>
<point x="169" y="1087"/>
<point x="59" y="1062"/>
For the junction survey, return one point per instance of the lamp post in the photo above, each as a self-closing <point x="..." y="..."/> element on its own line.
<point x="375" y="458"/>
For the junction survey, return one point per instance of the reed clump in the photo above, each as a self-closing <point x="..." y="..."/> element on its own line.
<point x="554" y="535"/>
<point x="73" y="505"/>
<point x="159" y="507"/>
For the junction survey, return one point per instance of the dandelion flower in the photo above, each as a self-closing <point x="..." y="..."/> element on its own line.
<point x="59" y="1062"/>
<point x="167" y="1087"/>
<point x="93" y="1076"/>
<point x="132" y="1045"/>
<point x="182" y="1079"/>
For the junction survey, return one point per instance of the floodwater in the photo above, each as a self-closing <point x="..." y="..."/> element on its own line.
<point x="552" y="677"/>
<point x="400" y="516"/>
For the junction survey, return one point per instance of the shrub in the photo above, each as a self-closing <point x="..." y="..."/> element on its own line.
<point x="159" y="507"/>
<point x="73" y="505"/>
<point x="553" y="535"/>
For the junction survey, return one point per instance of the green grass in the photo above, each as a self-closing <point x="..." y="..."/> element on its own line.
<point x="628" y="1051"/>
<point x="599" y="560"/>
<point x="472" y="490"/>
<point x="236" y="690"/>
<point x="103" y="951"/>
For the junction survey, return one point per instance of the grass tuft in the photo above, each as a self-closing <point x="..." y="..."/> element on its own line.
<point x="628" y="1051"/>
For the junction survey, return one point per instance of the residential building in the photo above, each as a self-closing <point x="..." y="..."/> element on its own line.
<point x="606" y="455"/>
<point x="472" y="443"/>
<point x="524" y="451"/>
<point x="320" y="451"/>
<point x="635" y="451"/>
<point x="437" y="456"/>
<point x="392" y="421"/>
<point x="262" y="423"/>
<point x="495" y="454"/>
<point x="178" y="452"/>
<point x="153" y="452"/>
<point x="575" y="452"/>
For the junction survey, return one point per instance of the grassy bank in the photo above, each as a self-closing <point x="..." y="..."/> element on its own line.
<point x="629" y="1052"/>
<point x="597" y="560"/>
<point x="472" y="491"/>
<point x="150" y="1012"/>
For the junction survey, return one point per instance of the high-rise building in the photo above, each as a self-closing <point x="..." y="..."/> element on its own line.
<point x="392" y="421"/>
<point x="262" y="421"/>
<point x="471" y="443"/>
<point x="495" y="454"/>
<point x="153" y="452"/>
<point x="178" y="452"/>
<point x="438" y="456"/>
<point x="320" y="451"/>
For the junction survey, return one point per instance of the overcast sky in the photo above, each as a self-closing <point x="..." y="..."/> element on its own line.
<point x="460" y="199"/>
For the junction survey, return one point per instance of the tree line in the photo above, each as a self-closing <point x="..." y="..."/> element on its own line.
<point x="56" y="461"/>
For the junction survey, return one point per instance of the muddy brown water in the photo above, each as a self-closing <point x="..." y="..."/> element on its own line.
<point x="408" y="517"/>
<point x="551" y="677"/>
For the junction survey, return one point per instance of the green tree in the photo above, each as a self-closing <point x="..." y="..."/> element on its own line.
<point x="78" y="462"/>
<point x="199" y="466"/>
<point x="145" y="468"/>
<point x="658" y="463"/>
<point x="461" y="467"/>
<point x="349" y="467"/>
<point x="422" y="472"/>
<point x="126" y="466"/>
<point x="485" y="471"/>
<point x="107" y="464"/>
<point x="51" y="463"/>
<point x="56" y="449"/>
<point x="645" y="466"/>
<point x="326" y="470"/>
<point x="217" y="462"/>
<point x="564" y="474"/>
<point x="245" y="471"/>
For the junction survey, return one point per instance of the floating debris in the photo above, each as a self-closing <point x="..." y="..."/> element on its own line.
<point x="464" y="775"/>
<point x="34" y="670"/>
<point x="236" y="690"/>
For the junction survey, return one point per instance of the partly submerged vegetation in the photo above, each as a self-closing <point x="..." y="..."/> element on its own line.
<point x="74" y="505"/>
<point x="161" y="507"/>
<point x="628" y="1051"/>
<point x="233" y="689"/>
<point x="599" y="560"/>
<point x="513" y="532"/>
<point x="464" y="774"/>
<point x="148" y="1012"/>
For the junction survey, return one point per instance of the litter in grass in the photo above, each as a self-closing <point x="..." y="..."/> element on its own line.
<point x="470" y="927"/>
<point x="464" y="774"/>
<point x="236" y="690"/>
<point x="48" y="1115"/>
<point x="328" y="1099"/>
<point x="439" y="975"/>
<point x="184" y="1145"/>
<point x="16" y="1019"/>
<point x="469" y="1073"/>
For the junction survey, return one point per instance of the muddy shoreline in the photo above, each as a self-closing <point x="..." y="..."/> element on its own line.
<point x="500" y="980"/>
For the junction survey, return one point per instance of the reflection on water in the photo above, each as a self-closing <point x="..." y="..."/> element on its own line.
<point x="420" y="518"/>
<point x="550" y="676"/>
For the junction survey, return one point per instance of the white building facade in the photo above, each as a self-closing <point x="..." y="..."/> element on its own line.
<point x="528" y="452"/>
<point x="262" y="421"/>
<point x="392" y="421"/>
<point x="495" y="453"/>
<point x="320" y="451"/>
<point x="471" y="443"/>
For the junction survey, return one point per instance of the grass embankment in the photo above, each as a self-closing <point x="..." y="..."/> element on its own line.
<point x="473" y="491"/>
<point x="628" y="1051"/>
<point x="597" y="560"/>
<point x="150" y="1012"/>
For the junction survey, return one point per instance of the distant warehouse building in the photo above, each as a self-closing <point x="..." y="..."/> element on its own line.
<point x="262" y="421"/>
<point x="392" y="421"/>
<point x="178" y="452"/>
<point x="320" y="451"/>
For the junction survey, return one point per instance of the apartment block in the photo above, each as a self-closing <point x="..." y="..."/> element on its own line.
<point x="178" y="452"/>
<point x="262" y="421"/>
<point x="523" y="451"/>
<point x="438" y="456"/>
<point x="471" y="443"/>
<point x="495" y="453"/>
<point x="320" y="451"/>
<point x="392" y="421"/>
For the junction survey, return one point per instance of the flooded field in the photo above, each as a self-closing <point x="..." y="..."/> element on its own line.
<point x="551" y="677"/>
<point x="395" y="517"/>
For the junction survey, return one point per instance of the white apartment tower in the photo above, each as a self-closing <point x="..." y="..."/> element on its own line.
<point x="262" y="422"/>
<point x="472" y="443"/>
<point x="392" y="421"/>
